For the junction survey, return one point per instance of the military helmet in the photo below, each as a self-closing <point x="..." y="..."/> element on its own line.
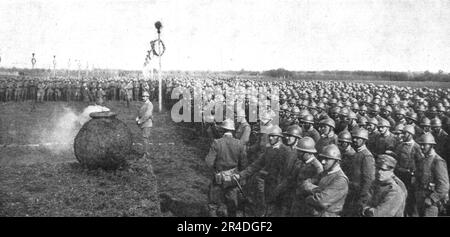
<point x="410" y="129"/>
<point x="345" y="136"/>
<point x="321" y="105"/>
<point x="294" y="130"/>
<point x="384" y="123"/>
<point x="375" y="108"/>
<point x="335" y="110"/>
<point x="145" y="93"/>
<point x="426" y="138"/>
<point x="387" y="108"/>
<point x="352" y="115"/>
<point x="436" y="122"/>
<point x="275" y="131"/>
<point x="329" y="122"/>
<point x="362" y="121"/>
<point x="412" y="116"/>
<point x="360" y="133"/>
<point x="398" y="129"/>
<point x="228" y="124"/>
<point x="330" y="152"/>
<point x="401" y="111"/>
<point x="307" y="119"/>
<point x="306" y="144"/>
<point x="425" y="122"/>
<point x="363" y="108"/>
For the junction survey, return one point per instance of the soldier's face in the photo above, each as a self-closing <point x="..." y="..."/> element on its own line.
<point x="273" y="140"/>
<point x="383" y="175"/>
<point x="436" y="129"/>
<point x="357" y="142"/>
<point x="343" y="145"/>
<point x="290" y="140"/>
<point x="382" y="130"/>
<point x="324" y="129"/>
<point x="426" y="128"/>
<point x="426" y="148"/>
<point x="406" y="137"/>
<point x="327" y="163"/>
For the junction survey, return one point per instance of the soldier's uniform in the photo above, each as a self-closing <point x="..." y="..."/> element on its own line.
<point x="41" y="91"/>
<point x="33" y="89"/>
<point x="384" y="142"/>
<point x="18" y="92"/>
<point x="285" y="189"/>
<point x="2" y="90"/>
<point x="225" y="154"/>
<point x="329" y="197"/>
<point x="9" y="91"/>
<point x="362" y="174"/>
<point x="243" y="132"/>
<point x="49" y="93"/>
<point x="347" y="159"/>
<point x="442" y="144"/>
<point x="432" y="184"/>
<point x="312" y="133"/>
<point x="326" y="140"/>
<point x="386" y="198"/>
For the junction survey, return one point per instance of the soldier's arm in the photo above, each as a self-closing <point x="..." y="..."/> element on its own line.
<point x="324" y="197"/>
<point x="441" y="179"/>
<point x="243" y="161"/>
<point x="390" y="204"/>
<point x="253" y="167"/>
<point x="367" y="175"/>
<point x="212" y="154"/>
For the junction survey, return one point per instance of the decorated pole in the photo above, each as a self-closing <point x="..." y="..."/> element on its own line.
<point x="54" y="65"/>
<point x="33" y="61"/>
<point x="158" y="26"/>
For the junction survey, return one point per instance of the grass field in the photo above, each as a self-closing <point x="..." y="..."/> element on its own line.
<point x="48" y="181"/>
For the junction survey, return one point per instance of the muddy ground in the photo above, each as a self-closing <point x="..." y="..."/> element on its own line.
<point x="46" y="180"/>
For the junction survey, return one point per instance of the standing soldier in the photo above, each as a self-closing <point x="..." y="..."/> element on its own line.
<point x="58" y="91"/>
<point x="328" y="197"/>
<point x="129" y="92"/>
<point x="432" y="185"/>
<point x="243" y="130"/>
<point x="327" y="136"/>
<point x="2" y="90"/>
<point x="344" y="144"/>
<point x="33" y="89"/>
<point x="41" y="91"/>
<point x="307" y="123"/>
<point x="268" y="167"/>
<point x="385" y="139"/>
<point x="9" y="90"/>
<point x="425" y="124"/>
<point x="411" y="119"/>
<point x="362" y="172"/>
<point x="308" y="169"/>
<point x="226" y="158"/>
<point x="18" y="91"/>
<point x="136" y="88"/>
<point x="49" y="92"/>
<point x="145" y="121"/>
<point x="387" y="193"/>
<point x="441" y="138"/>
<point x="100" y="97"/>
<point x="408" y="152"/>
<point x="112" y="90"/>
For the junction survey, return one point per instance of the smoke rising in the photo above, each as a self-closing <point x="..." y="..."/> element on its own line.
<point x="66" y="126"/>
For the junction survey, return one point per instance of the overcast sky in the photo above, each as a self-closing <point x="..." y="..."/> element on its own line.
<point x="229" y="34"/>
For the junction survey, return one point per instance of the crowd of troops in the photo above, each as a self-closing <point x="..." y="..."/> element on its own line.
<point x="91" y="89"/>
<point x="339" y="149"/>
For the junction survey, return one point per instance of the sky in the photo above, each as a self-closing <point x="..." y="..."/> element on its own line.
<point x="219" y="35"/>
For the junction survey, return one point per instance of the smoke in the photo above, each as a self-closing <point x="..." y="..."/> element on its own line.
<point x="66" y="126"/>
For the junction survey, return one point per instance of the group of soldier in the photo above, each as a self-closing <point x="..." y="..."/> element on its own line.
<point x="89" y="89"/>
<point x="338" y="149"/>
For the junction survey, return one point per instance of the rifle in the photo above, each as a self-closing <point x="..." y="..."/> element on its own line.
<point x="247" y="200"/>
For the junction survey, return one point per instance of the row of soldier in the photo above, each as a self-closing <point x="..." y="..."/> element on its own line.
<point x="69" y="89"/>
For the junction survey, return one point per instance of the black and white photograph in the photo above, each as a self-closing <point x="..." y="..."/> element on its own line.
<point x="224" y="108"/>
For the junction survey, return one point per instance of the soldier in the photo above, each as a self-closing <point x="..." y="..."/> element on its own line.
<point x="327" y="136"/>
<point x="129" y="92"/>
<point x="2" y="90"/>
<point x="306" y="123"/>
<point x="57" y="91"/>
<point x="385" y="139"/>
<point x="308" y="167"/>
<point x="362" y="173"/>
<point x="344" y="144"/>
<point x="387" y="194"/>
<point x="432" y="184"/>
<point x="441" y="138"/>
<point x="286" y="186"/>
<point x="243" y="130"/>
<point x="226" y="157"/>
<point x="408" y="152"/>
<point x="268" y="167"/>
<point x="386" y="114"/>
<point x="145" y="121"/>
<point x="49" y="93"/>
<point x="328" y="197"/>
<point x="41" y="91"/>
<point x="411" y="119"/>
<point x="18" y="91"/>
<point x="425" y="124"/>
<point x="100" y="96"/>
<point x="9" y="90"/>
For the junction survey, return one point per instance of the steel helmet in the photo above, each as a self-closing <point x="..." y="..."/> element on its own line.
<point x="400" y="112"/>
<point x="426" y="138"/>
<point x="412" y="116"/>
<point x="335" y="110"/>
<point x="331" y="152"/>
<point x="329" y="122"/>
<point x="145" y="93"/>
<point x="294" y="130"/>
<point x="363" y="108"/>
<point x="345" y="136"/>
<point x="228" y="124"/>
<point x="303" y="113"/>
<point x="275" y="131"/>
<point x="355" y="106"/>
<point x="307" y="119"/>
<point x="344" y="112"/>
<point x="321" y="105"/>
<point x="436" y="122"/>
<point x="362" y="121"/>
<point x="425" y="122"/>
<point x="410" y="129"/>
<point x="360" y="133"/>
<point x="375" y="108"/>
<point x="388" y="108"/>
<point x="384" y="123"/>
<point x="306" y="144"/>
<point x="398" y="129"/>
<point x="352" y="115"/>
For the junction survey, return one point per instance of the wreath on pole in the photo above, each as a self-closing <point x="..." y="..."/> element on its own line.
<point x="153" y="48"/>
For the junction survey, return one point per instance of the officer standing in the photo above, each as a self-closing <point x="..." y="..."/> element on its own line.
<point x="387" y="194"/>
<point x="145" y="121"/>
<point x="432" y="184"/>
<point x="226" y="157"/>
<point x="328" y="197"/>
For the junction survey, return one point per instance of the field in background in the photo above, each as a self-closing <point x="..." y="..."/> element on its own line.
<point x="44" y="181"/>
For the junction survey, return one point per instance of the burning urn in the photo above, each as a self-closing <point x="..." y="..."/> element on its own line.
<point x="103" y="142"/>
